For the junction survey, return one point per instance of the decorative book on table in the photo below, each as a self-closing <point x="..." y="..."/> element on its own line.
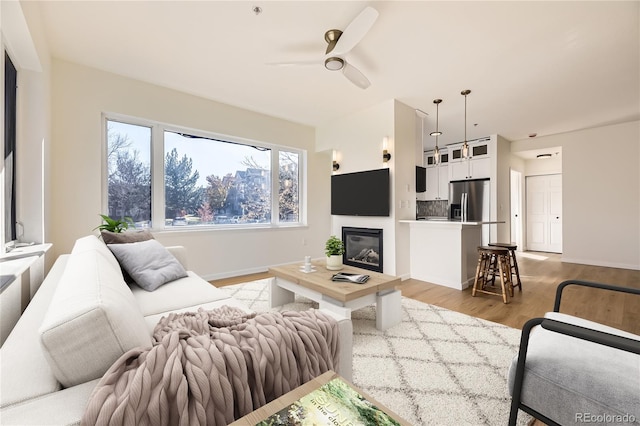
<point x="334" y="403"/>
<point x="348" y="277"/>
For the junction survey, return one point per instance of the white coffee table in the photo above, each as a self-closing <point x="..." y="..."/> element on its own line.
<point x="338" y="297"/>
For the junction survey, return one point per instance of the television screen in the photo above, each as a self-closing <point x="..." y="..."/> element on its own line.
<point x="361" y="193"/>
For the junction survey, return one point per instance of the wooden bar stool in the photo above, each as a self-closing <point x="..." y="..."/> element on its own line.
<point x="515" y="272"/>
<point x="492" y="262"/>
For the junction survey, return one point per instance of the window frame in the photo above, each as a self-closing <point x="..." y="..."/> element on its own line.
<point x="157" y="158"/>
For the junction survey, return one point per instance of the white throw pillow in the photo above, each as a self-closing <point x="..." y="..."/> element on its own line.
<point x="149" y="263"/>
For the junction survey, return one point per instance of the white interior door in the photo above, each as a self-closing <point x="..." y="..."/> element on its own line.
<point x="544" y="213"/>
<point x="516" y="205"/>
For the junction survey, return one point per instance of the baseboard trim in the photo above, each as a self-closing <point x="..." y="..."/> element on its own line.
<point x="598" y="263"/>
<point x="233" y="274"/>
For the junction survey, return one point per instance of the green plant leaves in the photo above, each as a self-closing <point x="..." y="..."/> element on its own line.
<point x="115" y="225"/>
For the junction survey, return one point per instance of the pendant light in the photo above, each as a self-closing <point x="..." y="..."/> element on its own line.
<point x="465" y="145"/>
<point x="436" y="151"/>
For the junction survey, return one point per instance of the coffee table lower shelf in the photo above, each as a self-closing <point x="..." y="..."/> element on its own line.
<point x="285" y="401"/>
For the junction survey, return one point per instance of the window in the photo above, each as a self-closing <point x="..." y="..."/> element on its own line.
<point x="129" y="172"/>
<point x="206" y="180"/>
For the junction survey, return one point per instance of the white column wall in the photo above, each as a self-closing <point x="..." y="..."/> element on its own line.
<point x="357" y="138"/>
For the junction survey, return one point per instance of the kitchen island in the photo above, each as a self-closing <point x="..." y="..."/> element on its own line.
<point x="444" y="252"/>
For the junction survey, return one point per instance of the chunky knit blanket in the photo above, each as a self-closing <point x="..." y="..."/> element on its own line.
<point x="212" y="367"/>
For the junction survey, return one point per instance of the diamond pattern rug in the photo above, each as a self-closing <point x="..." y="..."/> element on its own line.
<point x="438" y="367"/>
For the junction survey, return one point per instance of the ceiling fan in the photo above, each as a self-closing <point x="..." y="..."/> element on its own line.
<point x="341" y="42"/>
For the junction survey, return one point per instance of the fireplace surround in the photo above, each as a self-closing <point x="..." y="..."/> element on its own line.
<point x="363" y="248"/>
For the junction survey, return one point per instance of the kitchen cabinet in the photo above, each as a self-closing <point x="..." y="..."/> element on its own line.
<point x="437" y="177"/>
<point x="429" y="159"/>
<point x="476" y="166"/>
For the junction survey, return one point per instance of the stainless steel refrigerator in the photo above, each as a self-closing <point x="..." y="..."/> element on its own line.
<point x="469" y="201"/>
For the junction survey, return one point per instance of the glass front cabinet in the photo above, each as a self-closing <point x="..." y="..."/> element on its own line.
<point x="476" y="166"/>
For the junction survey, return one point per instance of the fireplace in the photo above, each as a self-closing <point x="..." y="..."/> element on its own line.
<point x="363" y="248"/>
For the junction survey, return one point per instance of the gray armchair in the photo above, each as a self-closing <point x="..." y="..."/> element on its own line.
<point x="571" y="371"/>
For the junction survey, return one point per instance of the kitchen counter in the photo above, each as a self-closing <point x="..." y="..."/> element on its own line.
<point x="444" y="252"/>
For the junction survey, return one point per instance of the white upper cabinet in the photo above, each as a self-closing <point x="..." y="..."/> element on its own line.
<point x="437" y="176"/>
<point x="476" y="166"/>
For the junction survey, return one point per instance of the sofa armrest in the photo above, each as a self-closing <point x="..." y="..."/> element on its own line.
<point x="345" y="327"/>
<point x="65" y="407"/>
<point x="180" y="253"/>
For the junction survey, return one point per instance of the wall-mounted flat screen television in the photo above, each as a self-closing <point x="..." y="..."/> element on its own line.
<point x="361" y="194"/>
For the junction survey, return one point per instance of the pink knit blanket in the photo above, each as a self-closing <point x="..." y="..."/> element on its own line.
<point x="212" y="367"/>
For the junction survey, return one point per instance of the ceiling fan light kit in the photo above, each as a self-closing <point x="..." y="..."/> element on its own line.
<point x="334" y="63"/>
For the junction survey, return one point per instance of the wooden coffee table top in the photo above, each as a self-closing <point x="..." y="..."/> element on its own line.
<point x="320" y="280"/>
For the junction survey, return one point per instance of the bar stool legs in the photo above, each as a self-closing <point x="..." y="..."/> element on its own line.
<point x="513" y="262"/>
<point x="492" y="262"/>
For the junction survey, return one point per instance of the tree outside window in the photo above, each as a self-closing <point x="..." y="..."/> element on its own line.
<point x="207" y="181"/>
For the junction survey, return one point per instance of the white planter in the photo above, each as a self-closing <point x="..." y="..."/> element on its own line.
<point x="334" y="262"/>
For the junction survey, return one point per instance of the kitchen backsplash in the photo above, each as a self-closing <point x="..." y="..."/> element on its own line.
<point x="438" y="208"/>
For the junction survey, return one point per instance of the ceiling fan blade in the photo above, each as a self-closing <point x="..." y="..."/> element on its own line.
<point x="294" y="63"/>
<point x="355" y="31"/>
<point x="355" y="76"/>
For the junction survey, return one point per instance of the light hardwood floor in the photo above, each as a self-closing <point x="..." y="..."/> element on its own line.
<point x="540" y="274"/>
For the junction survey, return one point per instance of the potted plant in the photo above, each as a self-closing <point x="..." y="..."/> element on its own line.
<point x="115" y="225"/>
<point x="334" y="249"/>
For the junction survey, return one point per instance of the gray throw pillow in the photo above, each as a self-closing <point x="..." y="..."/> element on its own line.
<point x="129" y="236"/>
<point x="149" y="263"/>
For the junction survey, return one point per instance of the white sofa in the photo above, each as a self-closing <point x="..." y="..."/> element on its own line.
<point x="83" y="317"/>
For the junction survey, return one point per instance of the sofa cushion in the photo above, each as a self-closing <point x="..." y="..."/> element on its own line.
<point x="148" y="263"/>
<point x="92" y="320"/>
<point x="189" y="291"/>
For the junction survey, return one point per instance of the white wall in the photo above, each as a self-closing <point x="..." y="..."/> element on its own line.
<point x="81" y="94"/>
<point x="503" y="196"/>
<point x="358" y="140"/>
<point x="543" y="166"/>
<point x="25" y="43"/>
<point x="601" y="193"/>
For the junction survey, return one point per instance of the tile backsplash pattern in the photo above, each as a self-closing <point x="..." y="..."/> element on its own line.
<point x="439" y="208"/>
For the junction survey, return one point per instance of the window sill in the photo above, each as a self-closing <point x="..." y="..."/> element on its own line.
<point x="226" y="228"/>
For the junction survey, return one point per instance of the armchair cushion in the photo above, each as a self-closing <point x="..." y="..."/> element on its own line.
<point x="571" y="377"/>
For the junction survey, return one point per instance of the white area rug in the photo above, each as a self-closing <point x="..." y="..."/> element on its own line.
<point x="438" y="367"/>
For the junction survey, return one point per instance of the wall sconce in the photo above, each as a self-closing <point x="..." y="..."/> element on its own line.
<point x="385" y="153"/>
<point x="335" y="166"/>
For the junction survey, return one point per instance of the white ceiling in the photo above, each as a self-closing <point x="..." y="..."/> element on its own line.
<point x="532" y="67"/>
